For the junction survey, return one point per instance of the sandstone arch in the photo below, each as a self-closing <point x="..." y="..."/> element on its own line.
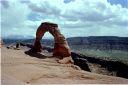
<point x="61" y="48"/>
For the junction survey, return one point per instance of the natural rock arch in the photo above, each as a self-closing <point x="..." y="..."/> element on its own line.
<point x="61" y="48"/>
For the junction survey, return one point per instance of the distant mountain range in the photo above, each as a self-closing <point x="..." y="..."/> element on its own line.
<point x="95" y="42"/>
<point x="100" y="42"/>
<point x="16" y="37"/>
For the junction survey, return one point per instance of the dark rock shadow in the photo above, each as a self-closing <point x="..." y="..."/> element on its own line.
<point x="120" y="69"/>
<point x="36" y="54"/>
<point x="81" y="62"/>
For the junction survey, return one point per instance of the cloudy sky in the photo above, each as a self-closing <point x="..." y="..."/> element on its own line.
<point x="74" y="17"/>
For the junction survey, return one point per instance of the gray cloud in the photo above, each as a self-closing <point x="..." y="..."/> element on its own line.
<point x="46" y="8"/>
<point x="75" y="18"/>
<point x="4" y="3"/>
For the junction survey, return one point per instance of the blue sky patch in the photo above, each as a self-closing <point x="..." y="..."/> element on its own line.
<point x="123" y="3"/>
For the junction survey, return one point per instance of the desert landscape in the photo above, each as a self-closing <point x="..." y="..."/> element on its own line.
<point x="64" y="42"/>
<point x="19" y="67"/>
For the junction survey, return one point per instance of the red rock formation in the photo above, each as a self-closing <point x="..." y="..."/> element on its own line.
<point x="61" y="48"/>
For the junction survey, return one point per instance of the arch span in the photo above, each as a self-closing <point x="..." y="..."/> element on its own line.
<point x="61" y="47"/>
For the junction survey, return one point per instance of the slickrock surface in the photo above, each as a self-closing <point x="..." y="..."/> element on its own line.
<point x="19" y="68"/>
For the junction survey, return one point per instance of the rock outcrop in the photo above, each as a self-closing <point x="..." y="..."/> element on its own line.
<point x="113" y="68"/>
<point x="18" y="68"/>
<point x="81" y="62"/>
<point x="87" y="63"/>
<point x="61" y="48"/>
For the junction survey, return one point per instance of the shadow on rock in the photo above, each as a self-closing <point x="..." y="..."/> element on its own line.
<point x="81" y="62"/>
<point x="118" y="68"/>
<point x="36" y="54"/>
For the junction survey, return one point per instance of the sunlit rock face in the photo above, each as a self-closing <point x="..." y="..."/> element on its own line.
<point x="61" y="48"/>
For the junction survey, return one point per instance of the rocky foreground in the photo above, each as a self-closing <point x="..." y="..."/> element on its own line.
<point x="19" y="68"/>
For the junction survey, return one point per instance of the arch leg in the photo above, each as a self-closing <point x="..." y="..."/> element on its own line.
<point x="37" y="44"/>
